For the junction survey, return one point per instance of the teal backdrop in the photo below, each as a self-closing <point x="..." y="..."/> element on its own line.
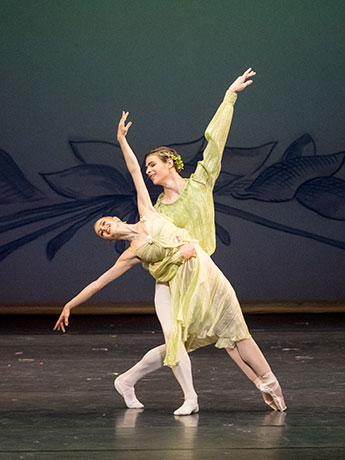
<point x="68" y="69"/>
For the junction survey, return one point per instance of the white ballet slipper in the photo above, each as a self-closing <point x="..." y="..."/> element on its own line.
<point x="128" y="394"/>
<point x="190" y="406"/>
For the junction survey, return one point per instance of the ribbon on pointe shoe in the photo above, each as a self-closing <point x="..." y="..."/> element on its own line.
<point x="269" y="389"/>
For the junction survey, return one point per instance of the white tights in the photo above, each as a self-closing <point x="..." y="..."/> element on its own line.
<point x="246" y="354"/>
<point x="154" y="358"/>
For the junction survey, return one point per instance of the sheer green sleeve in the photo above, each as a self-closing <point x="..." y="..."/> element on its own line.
<point x="216" y="135"/>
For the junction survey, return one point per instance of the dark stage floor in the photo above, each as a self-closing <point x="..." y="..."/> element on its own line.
<point x="58" y="401"/>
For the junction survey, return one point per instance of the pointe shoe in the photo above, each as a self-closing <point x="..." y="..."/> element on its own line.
<point x="269" y="389"/>
<point x="190" y="406"/>
<point x="266" y="396"/>
<point x="128" y="394"/>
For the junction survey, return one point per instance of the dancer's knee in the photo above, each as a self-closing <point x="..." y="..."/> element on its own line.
<point x="154" y="356"/>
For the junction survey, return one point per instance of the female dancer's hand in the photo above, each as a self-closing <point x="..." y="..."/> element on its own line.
<point x="241" y="82"/>
<point x="122" y="128"/>
<point x="188" y="251"/>
<point x="63" y="320"/>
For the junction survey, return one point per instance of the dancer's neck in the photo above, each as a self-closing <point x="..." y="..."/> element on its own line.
<point x="172" y="189"/>
<point x="130" y="232"/>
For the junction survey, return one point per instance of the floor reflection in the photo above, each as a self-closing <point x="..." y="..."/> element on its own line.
<point x="149" y="431"/>
<point x="188" y="421"/>
<point x="275" y="418"/>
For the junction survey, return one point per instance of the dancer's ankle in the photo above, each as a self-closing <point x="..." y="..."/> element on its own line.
<point x="128" y="393"/>
<point x="192" y="397"/>
<point x="257" y="382"/>
<point x="268" y="377"/>
<point x="126" y="380"/>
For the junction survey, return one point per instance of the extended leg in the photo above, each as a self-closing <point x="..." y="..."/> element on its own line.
<point x="236" y="357"/>
<point x="254" y="358"/>
<point x="124" y="384"/>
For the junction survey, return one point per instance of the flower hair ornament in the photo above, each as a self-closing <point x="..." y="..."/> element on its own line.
<point x="175" y="158"/>
<point x="178" y="161"/>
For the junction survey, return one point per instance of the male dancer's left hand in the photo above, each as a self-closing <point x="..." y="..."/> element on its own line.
<point x="188" y="251"/>
<point x="241" y="82"/>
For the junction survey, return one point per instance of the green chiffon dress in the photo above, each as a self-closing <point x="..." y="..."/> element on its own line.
<point x="204" y="306"/>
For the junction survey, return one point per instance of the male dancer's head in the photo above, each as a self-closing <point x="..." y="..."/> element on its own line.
<point x="163" y="163"/>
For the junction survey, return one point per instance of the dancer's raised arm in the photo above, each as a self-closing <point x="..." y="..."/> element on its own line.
<point x="123" y="263"/>
<point x="144" y="200"/>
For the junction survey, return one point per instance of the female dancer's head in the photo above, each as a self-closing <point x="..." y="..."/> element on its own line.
<point x="110" y="228"/>
<point x="162" y="163"/>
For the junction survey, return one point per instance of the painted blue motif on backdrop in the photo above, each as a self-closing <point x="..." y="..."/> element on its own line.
<point x="90" y="190"/>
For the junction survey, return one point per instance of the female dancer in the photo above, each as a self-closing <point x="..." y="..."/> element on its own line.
<point x="204" y="305"/>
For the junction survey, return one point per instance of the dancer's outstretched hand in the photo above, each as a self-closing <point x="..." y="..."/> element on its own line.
<point x="241" y="82"/>
<point x="122" y="128"/>
<point x="62" y="322"/>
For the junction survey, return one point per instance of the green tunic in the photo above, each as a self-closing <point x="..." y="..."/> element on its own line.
<point x="204" y="306"/>
<point x="194" y="208"/>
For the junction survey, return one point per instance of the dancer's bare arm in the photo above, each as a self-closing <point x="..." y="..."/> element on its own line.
<point x="145" y="206"/>
<point x="123" y="263"/>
